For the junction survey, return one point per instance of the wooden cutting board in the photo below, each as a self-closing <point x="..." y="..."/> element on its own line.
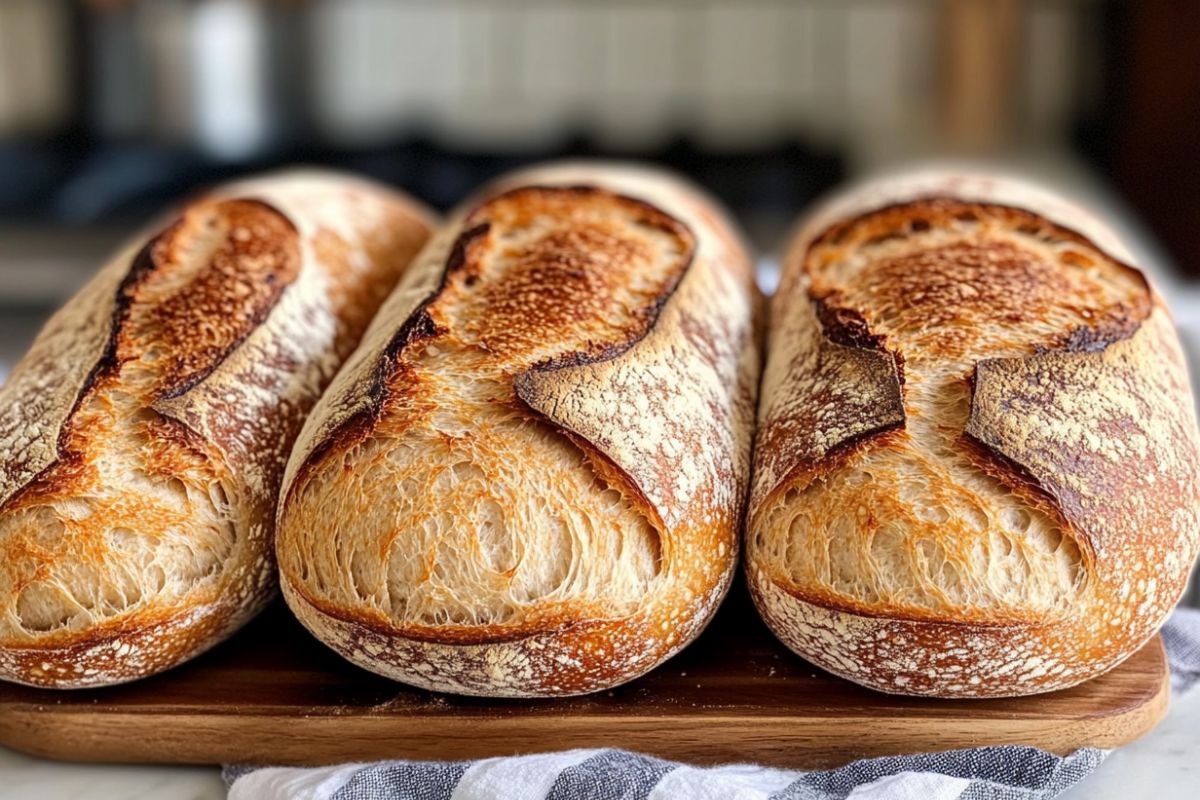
<point x="274" y="695"/>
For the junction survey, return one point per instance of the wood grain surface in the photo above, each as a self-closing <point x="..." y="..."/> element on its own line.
<point x="274" y="695"/>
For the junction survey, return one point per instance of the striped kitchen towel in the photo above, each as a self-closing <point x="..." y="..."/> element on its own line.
<point x="992" y="773"/>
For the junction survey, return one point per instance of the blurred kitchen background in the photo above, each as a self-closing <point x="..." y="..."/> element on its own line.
<point x="110" y="109"/>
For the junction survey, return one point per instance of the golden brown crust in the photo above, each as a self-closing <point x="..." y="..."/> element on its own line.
<point x="561" y="287"/>
<point x="1031" y="518"/>
<point x="137" y="500"/>
<point x="237" y="288"/>
<point x="606" y="318"/>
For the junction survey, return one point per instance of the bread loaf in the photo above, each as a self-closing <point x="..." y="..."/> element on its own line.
<point x="528" y="480"/>
<point x="143" y="438"/>
<point x="976" y="461"/>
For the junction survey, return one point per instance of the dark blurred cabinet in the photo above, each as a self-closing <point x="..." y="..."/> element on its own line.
<point x="1155" y="121"/>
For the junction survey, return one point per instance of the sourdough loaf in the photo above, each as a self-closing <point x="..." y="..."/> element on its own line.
<point x="143" y="438"/>
<point x="976" y="460"/>
<point x="528" y="481"/>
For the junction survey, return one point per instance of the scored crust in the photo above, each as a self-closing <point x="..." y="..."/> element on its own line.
<point x="977" y="474"/>
<point x="550" y="423"/>
<point x="143" y="438"/>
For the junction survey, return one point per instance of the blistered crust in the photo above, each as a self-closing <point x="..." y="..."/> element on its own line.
<point x="143" y="438"/>
<point x="622" y="330"/>
<point x="1031" y="521"/>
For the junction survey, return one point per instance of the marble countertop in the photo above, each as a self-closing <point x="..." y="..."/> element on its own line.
<point x="24" y="777"/>
<point x="1164" y="764"/>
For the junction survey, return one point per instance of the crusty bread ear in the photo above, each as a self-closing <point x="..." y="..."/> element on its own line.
<point x="143" y="438"/>
<point x="976" y="468"/>
<point x="529" y="479"/>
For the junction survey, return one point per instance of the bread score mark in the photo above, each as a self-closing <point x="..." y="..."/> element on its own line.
<point x="188" y="300"/>
<point x="201" y="287"/>
<point x="1019" y="428"/>
<point x="848" y="329"/>
<point x="846" y="388"/>
<point x="565" y="286"/>
<point x="1087" y="428"/>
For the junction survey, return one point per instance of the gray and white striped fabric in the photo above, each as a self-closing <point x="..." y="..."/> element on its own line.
<point x="991" y="773"/>
<point x="1181" y="635"/>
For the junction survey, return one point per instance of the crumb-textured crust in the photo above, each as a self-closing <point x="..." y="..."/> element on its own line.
<point x="143" y="437"/>
<point x="551" y="419"/>
<point x="977" y="475"/>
